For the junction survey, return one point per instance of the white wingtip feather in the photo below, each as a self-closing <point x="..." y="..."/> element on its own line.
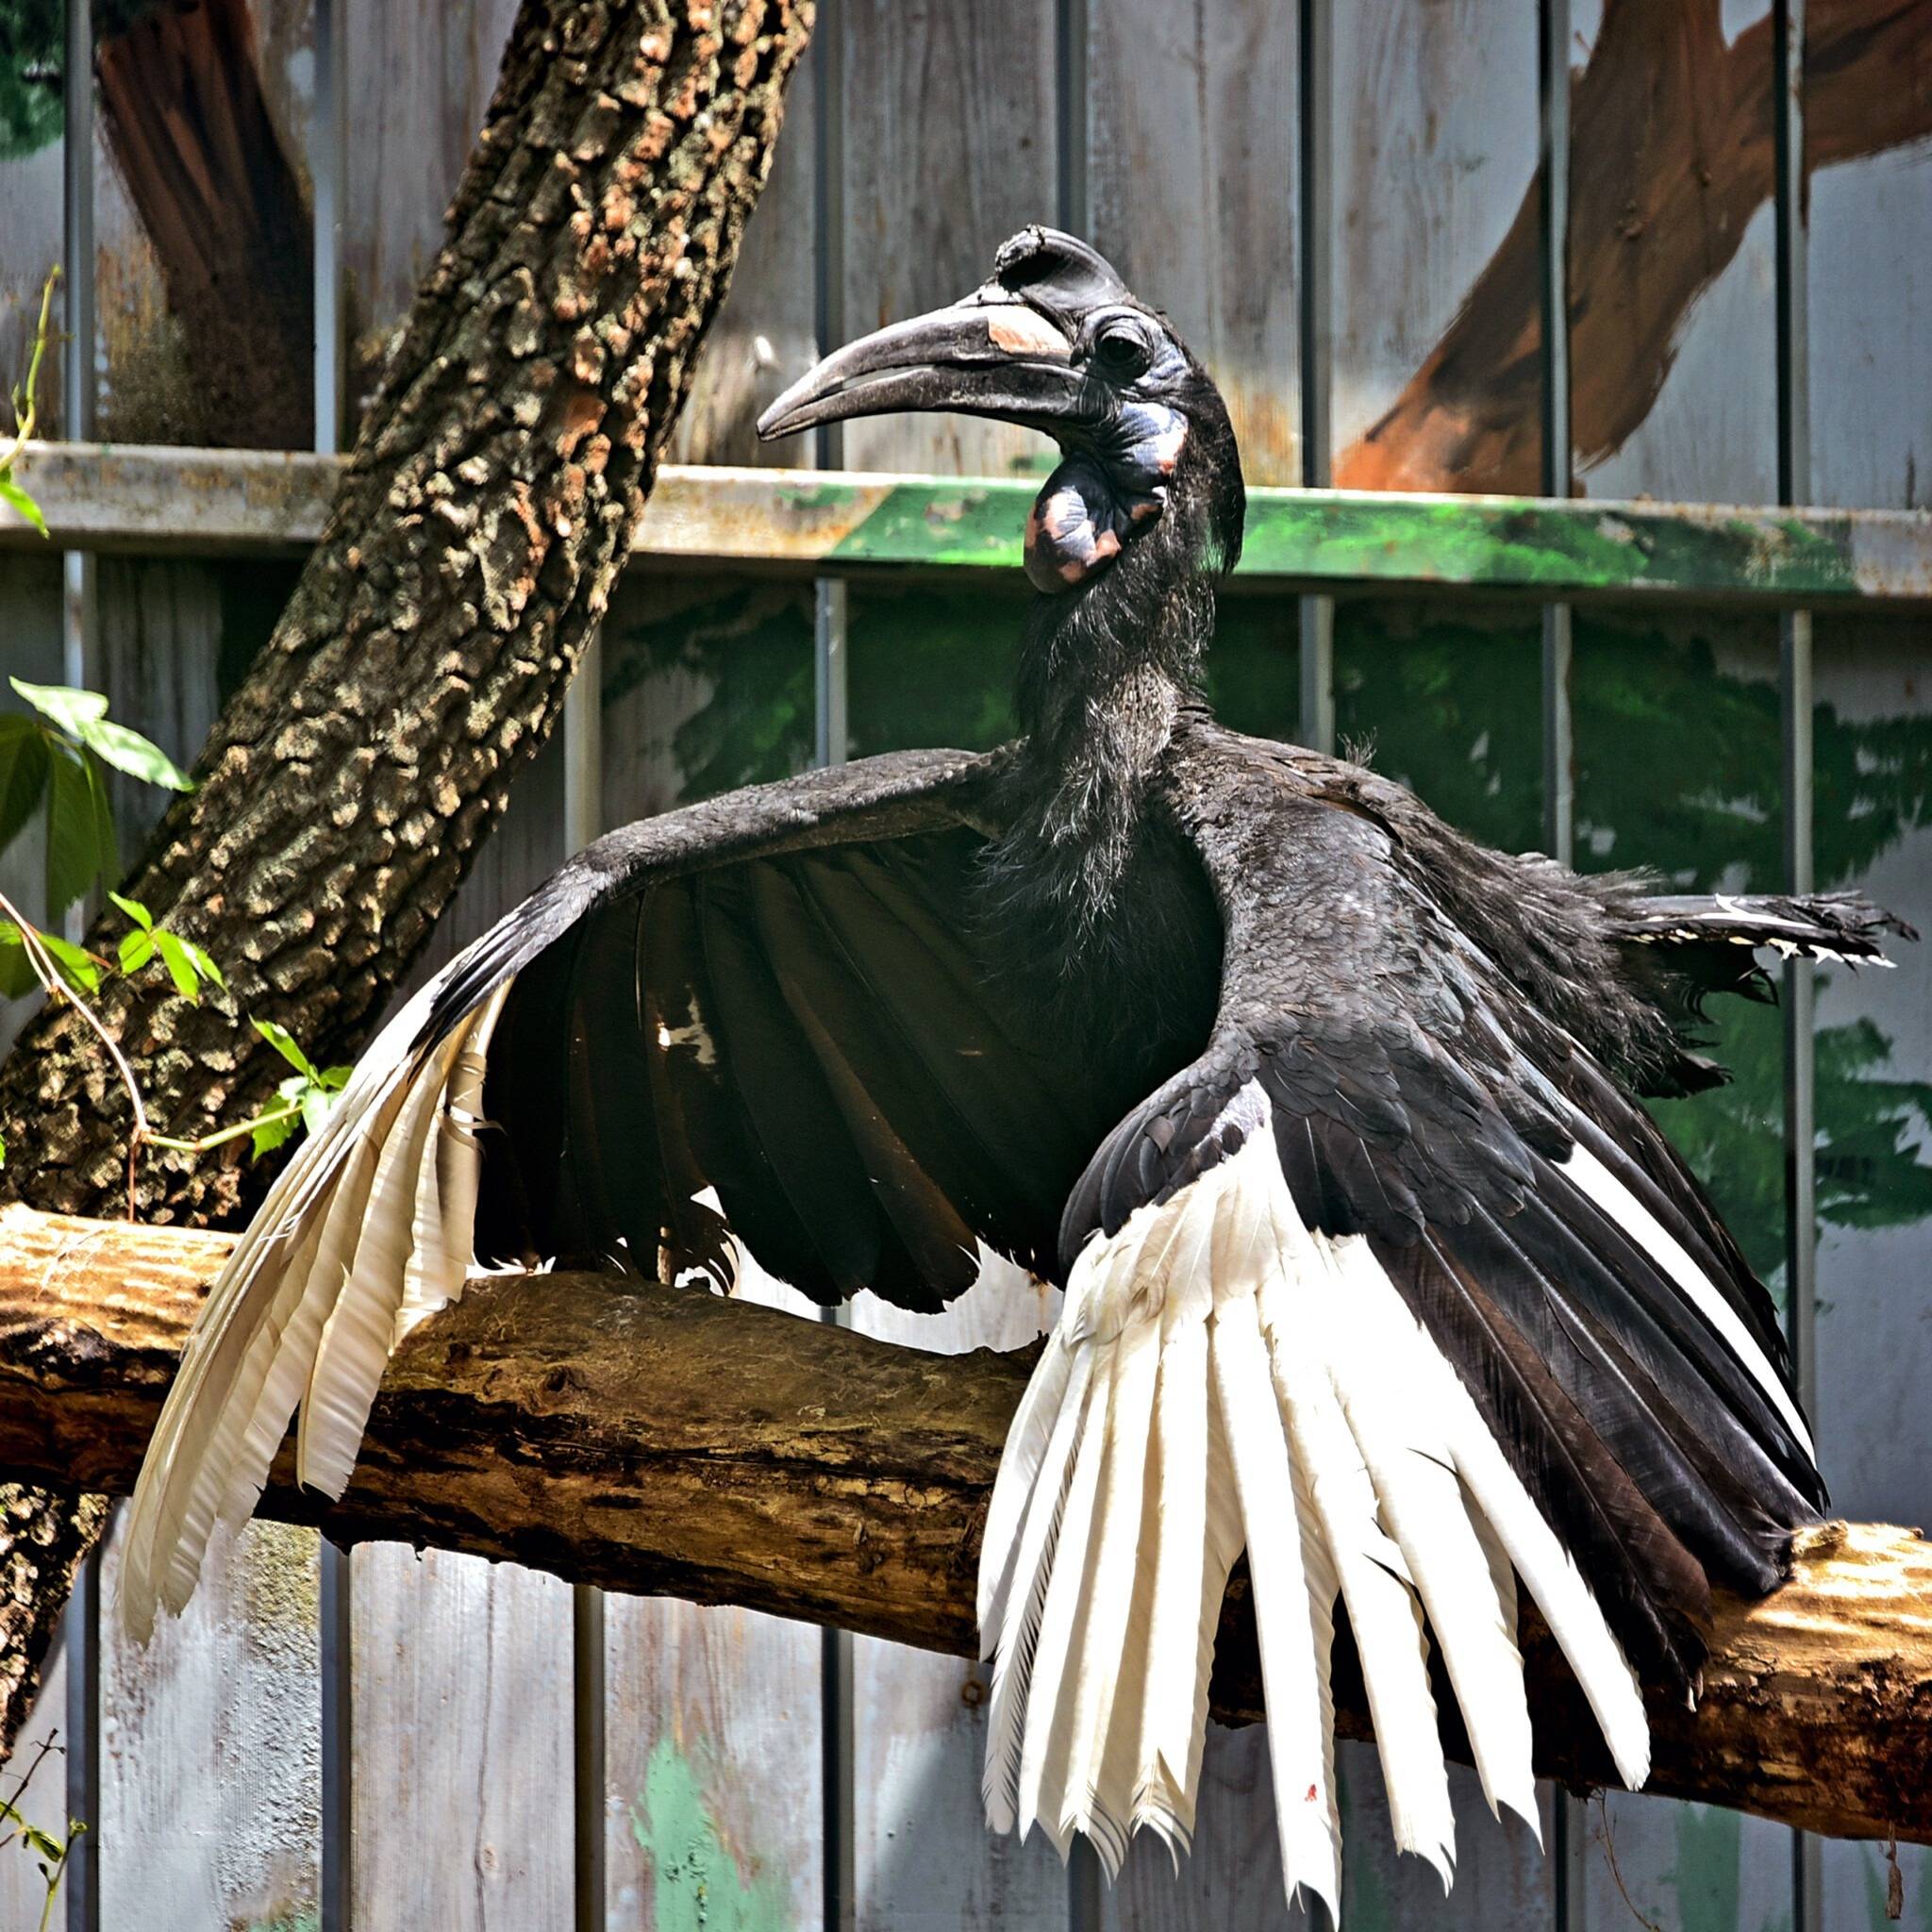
<point x="1218" y="1367"/>
<point x="267" y="1321"/>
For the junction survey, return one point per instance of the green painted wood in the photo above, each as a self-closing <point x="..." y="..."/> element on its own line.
<point x="143" y="500"/>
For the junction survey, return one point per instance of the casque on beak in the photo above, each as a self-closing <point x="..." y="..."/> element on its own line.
<point x="989" y="355"/>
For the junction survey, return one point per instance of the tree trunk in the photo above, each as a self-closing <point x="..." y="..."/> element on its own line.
<point x="1671" y="155"/>
<point x="486" y="511"/>
<point x="666" y="1441"/>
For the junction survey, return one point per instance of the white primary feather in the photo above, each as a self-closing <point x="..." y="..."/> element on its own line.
<point x="1300" y="1755"/>
<point x="1642" y="1226"/>
<point x="1546" y="1569"/>
<point x="1372" y="1571"/>
<point x="1221" y="1378"/>
<point x="1394" y="1410"/>
<point x="256" y="1346"/>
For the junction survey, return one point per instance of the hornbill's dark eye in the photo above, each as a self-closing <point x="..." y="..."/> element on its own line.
<point x="1122" y="353"/>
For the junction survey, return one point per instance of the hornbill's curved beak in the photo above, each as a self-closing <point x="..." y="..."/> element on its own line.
<point x="989" y="355"/>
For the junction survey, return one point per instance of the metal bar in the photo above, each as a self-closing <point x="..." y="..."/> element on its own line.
<point x="830" y="739"/>
<point x="1796" y="696"/>
<point x="79" y="665"/>
<point x="336" y="1635"/>
<point x="79" y="642"/>
<point x="1074" y="210"/>
<point x="327" y="162"/>
<point x="1315" y="250"/>
<point x="1570" y="1831"/>
<point x="338" y="1740"/>
<point x="583" y="820"/>
<point x="587" y="1756"/>
<point x="80" y="1882"/>
<point x="1558" y="740"/>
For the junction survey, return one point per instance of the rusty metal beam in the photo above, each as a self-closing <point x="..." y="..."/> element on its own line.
<point x="215" y="503"/>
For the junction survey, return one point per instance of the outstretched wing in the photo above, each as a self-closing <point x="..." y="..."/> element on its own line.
<point x="1396" y="1288"/>
<point x="766" y="1017"/>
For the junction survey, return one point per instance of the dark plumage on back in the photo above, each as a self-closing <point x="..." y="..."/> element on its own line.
<point x="1325" y="1116"/>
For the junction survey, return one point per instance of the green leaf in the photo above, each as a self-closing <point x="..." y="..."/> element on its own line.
<point x="180" y="967"/>
<point x="81" y="831"/>
<point x="12" y="492"/>
<point x="137" y="949"/>
<point x="78" y="966"/>
<point x="315" y="1106"/>
<point x="204" y="965"/>
<point x="335" y="1079"/>
<point x="74" y="964"/>
<point x="135" y="910"/>
<point x="23" y="773"/>
<point x="269" y="1136"/>
<point x="67" y="707"/>
<point x="16" y="970"/>
<point x="3" y="1155"/>
<point x="128" y="751"/>
<point x="48" y="1847"/>
<point x="284" y="1043"/>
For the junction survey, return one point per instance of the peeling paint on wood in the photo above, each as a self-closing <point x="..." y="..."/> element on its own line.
<point x="215" y="503"/>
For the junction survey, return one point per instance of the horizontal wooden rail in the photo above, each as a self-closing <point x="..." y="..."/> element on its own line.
<point x="216" y="503"/>
<point x="665" y="1441"/>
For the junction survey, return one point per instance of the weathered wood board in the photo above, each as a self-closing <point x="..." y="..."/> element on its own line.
<point x="714" y="1749"/>
<point x="948" y="147"/>
<point x="1435" y="116"/>
<point x="462" y="1667"/>
<point x="947" y="134"/>
<point x="211" y="1746"/>
<point x="45" y="1804"/>
<point x="1191" y="172"/>
<point x="1435" y="129"/>
<point x="463" y="1738"/>
<point x="1870" y="240"/>
<point x="417" y="79"/>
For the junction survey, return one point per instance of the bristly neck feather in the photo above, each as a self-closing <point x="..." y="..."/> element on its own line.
<point x="1106" y="673"/>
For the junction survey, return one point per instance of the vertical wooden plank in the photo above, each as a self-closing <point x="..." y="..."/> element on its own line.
<point x="23" y="1890"/>
<point x="462" y="1742"/>
<point x="224" y="1702"/>
<point x="949" y="147"/>
<point x="1435" y="145"/>
<point x="1871" y="296"/>
<point x="462" y="1673"/>
<point x="713" y="1733"/>
<point x="924" y="1857"/>
<point x="211" y="1743"/>
<point x="763" y="339"/>
<point x="30" y="595"/>
<point x="418" y="79"/>
<point x="1192" y="170"/>
<point x="30" y="219"/>
<point x="1710" y="432"/>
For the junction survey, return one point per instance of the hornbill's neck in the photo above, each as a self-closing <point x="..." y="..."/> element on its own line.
<point x="1106" y="671"/>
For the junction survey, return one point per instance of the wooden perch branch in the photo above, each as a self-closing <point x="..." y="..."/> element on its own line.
<point x="665" y="1441"/>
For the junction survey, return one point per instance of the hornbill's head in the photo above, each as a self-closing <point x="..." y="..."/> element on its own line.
<point x="1054" y="342"/>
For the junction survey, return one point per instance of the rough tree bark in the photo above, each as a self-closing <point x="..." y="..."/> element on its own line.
<point x="487" y="509"/>
<point x="663" y="1440"/>
<point x="1672" y="155"/>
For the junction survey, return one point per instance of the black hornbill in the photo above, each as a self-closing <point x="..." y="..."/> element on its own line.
<point x="1323" y="1115"/>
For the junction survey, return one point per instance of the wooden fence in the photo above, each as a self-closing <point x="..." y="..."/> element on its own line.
<point x="1343" y="208"/>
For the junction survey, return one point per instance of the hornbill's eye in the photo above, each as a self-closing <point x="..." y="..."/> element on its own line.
<point x="1123" y="354"/>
